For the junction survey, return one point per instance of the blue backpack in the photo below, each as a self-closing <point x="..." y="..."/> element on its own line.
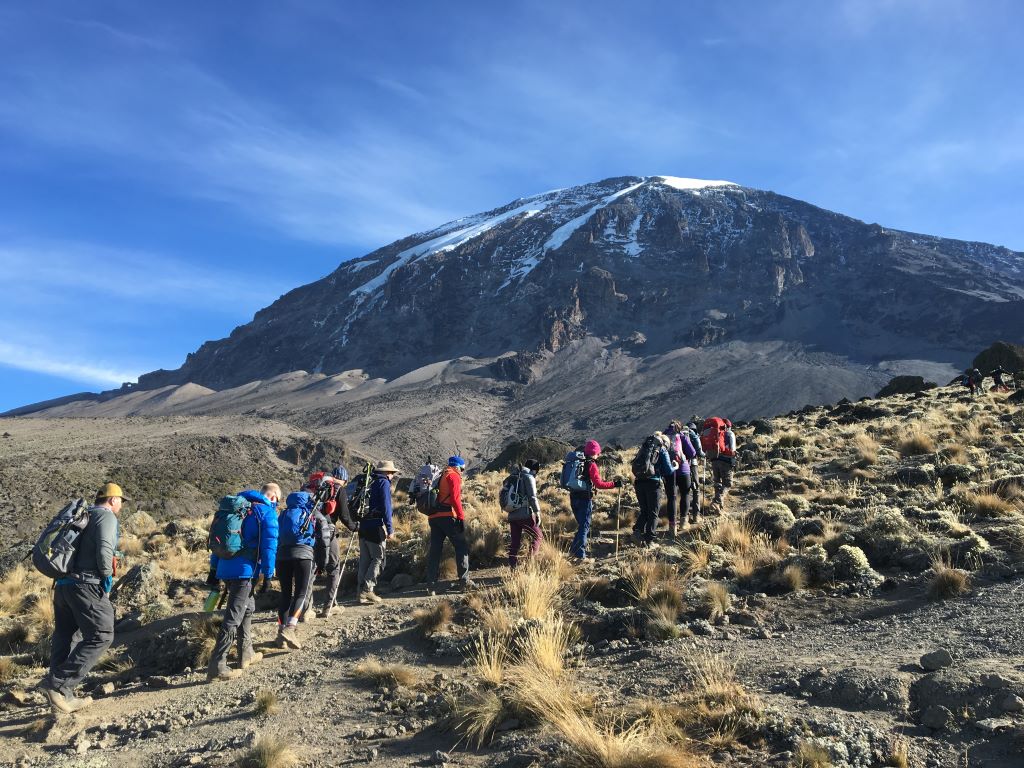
<point x="574" y="477"/>
<point x="226" y="530"/>
<point x="294" y="524"/>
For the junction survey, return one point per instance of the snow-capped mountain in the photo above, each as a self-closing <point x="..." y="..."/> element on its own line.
<point x="661" y="262"/>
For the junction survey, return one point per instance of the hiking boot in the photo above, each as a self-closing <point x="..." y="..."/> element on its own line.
<point x="250" y="658"/>
<point x="331" y="610"/>
<point x="637" y="539"/>
<point x="65" y="704"/>
<point x="372" y="597"/>
<point x="223" y="674"/>
<point x="468" y="585"/>
<point x="290" y="636"/>
<point x="279" y="640"/>
<point x="307" y="616"/>
<point x="364" y="598"/>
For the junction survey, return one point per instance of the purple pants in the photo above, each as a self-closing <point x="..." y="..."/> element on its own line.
<point x="533" y="531"/>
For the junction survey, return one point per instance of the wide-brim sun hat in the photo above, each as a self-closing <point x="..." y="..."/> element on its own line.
<point x="387" y="467"/>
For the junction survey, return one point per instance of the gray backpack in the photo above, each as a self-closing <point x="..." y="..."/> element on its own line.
<point x="54" y="552"/>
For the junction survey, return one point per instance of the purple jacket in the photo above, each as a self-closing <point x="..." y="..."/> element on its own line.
<point x="682" y="446"/>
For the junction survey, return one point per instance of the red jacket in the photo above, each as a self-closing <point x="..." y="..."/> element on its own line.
<point x="595" y="477"/>
<point x="449" y="491"/>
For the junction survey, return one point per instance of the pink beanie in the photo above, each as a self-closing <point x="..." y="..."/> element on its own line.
<point x="591" y="448"/>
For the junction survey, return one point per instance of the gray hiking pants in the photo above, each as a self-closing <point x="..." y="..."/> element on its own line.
<point x="81" y="608"/>
<point x="237" y="625"/>
<point x="328" y="562"/>
<point x="371" y="561"/>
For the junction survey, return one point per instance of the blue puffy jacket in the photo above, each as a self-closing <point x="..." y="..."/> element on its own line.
<point x="290" y="522"/>
<point x="259" y="534"/>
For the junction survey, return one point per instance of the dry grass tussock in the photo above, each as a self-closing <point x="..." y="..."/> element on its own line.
<point x="266" y="703"/>
<point x="13" y="589"/>
<point x="434" y="618"/>
<point x="546" y="645"/>
<point x="988" y="505"/>
<point x="732" y="535"/>
<point x="202" y="636"/>
<point x="791" y="440"/>
<point x="9" y="670"/>
<point x="719" y="708"/>
<point x="763" y="552"/>
<point x="593" y="745"/>
<point x="812" y="756"/>
<point x="947" y="581"/>
<point x="792" y="578"/>
<point x="865" y="449"/>
<point x="533" y="591"/>
<point x="550" y="557"/>
<point x="899" y="755"/>
<point x="182" y="564"/>
<point x="377" y="672"/>
<point x="915" y="442"/>
<point x="477" y="714"/>
<point x="115" y="662"/>
<point x="490" y="655"/>
<point x="270" y="751"/>
<point x="716" y="600"/>
<point x="647" y="578"/>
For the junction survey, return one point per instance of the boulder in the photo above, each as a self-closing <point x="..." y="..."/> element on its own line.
<point x="142" y="586"/>
<point x="923" y="474"/>
<point x="905" y="385"/>
<point x="857" y="689"/>
<point x="546" y="450"/>
<point x="139" y="523"/>
<point x="957" y="473"/>
<point x="937" y="717"/>
<point x="1010" y="356"/>
<point x="936" y="660"/>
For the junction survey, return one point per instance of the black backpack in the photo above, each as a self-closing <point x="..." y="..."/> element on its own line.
<point x="359" y="497"/>
<point x="645" y="463"/>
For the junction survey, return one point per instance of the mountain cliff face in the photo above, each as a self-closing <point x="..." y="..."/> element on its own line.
<point x="645" y="264"/>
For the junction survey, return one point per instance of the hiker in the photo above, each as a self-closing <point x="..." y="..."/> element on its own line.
<point x="695" y="489"/>
<point x="974" y="380"/>
<point x="719" y="443"/>
<point x="297" y="526"/>
<point x="582" y="502"/>
<point x="340" y="472"/>
<point x="375" y="528"/>
<point x="449" y="522"/>
<point x="81" y="604"/>
<point x="998" y="384"/>
<point x="678" y="486"/>
<point x="526" y="518"/>
<point x="652" y="467"/>
<point x="424" y="480"/>
<point x="326" y="547"/>
<point x="239" y="573"/>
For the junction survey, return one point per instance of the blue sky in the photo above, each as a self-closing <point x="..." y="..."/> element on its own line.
<point x="166" y="169"/>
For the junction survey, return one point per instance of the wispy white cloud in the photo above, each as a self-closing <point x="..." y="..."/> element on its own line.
<point x="43" y="270"/>
<point x="53" y="361"/>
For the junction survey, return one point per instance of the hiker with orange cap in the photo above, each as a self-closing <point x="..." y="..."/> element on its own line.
<point x="81" y="604"/>
<point x="582" y="501"/>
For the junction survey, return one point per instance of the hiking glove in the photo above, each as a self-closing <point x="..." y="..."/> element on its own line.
<point x="618" y="482"/>
<point x="211" y="578"/>
<point x="107" y="584"/>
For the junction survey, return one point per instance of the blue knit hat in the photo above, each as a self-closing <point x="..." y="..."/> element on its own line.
<point x="456" y="461"/>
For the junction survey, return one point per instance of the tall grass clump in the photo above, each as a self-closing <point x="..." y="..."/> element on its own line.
<point x="433" y="619"/>
<point x="916" y="442"/>
<point x="270" y="751"/>
<point x="946" y="581"/>
<point x="533" y="591"/>
<point x="375" y="671"/>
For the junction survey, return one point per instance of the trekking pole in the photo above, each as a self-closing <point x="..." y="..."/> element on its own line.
<point x="618" y="521"/>
<point x="344" y="562"/>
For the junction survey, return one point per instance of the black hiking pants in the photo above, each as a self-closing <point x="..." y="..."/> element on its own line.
<point x="83" y="608"/>
<point x="442" y="528"/>
<point x="296" y="584"/>
<point x="647" y="497"/>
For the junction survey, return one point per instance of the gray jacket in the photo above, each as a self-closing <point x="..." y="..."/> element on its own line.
<point x="528" y="488"/>
<point x="94" y="555"/>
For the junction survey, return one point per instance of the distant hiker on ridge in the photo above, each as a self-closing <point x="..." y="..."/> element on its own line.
<point x="652" y="467"/>
<point x="523" y="509"/>
<point x="719" y="443"/>
<point x="678" y="486"/>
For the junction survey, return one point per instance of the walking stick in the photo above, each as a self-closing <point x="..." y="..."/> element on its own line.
<point x="618" y="518"/>
<point x="344" y="561"/>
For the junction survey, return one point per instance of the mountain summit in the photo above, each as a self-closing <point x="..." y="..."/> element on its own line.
<point x="606" y="309"/>
<point x="661" y="261"/>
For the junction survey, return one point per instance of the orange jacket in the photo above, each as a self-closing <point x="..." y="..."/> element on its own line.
<point x="449" y="491"/>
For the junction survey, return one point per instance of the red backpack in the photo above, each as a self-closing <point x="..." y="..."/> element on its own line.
<point x="712" y="438"/>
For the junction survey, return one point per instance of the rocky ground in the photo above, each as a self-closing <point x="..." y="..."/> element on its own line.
<point x="856" y="605"/>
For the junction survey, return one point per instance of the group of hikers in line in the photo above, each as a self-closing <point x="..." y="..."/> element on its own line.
<point x="973" y="379"/>
<point x="251" y="540"/>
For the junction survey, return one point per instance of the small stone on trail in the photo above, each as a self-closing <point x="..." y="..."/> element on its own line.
<point x="105" y="689"/>
<point x="937" y="717"/>
<point x="936" y="660"/>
